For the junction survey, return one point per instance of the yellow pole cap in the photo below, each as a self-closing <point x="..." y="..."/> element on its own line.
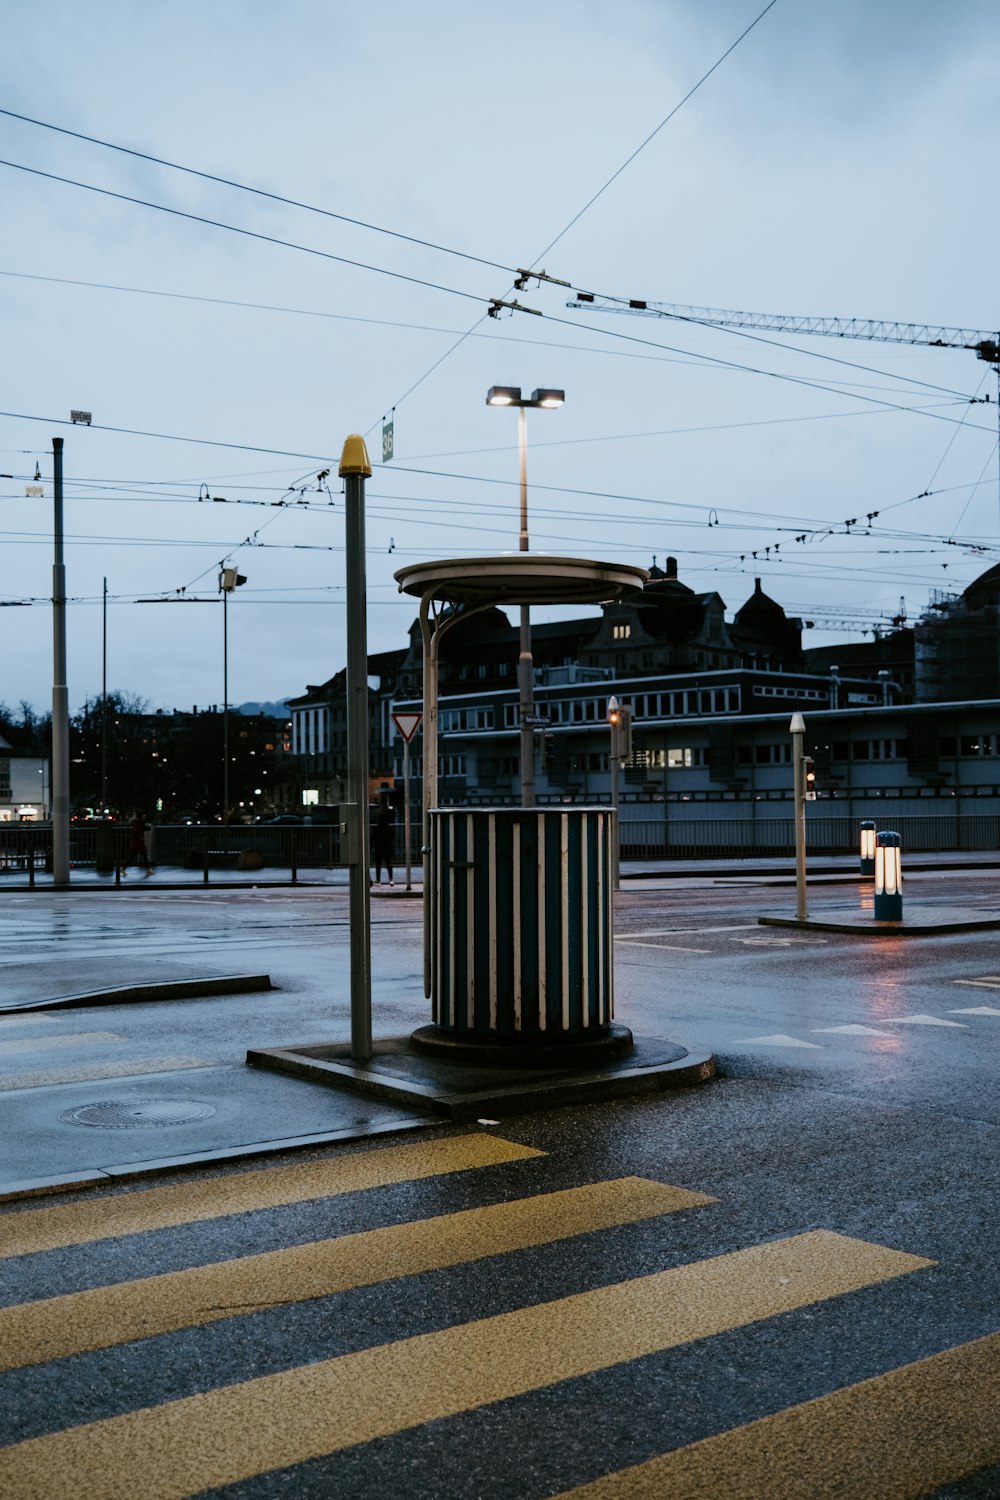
<point x="354" y="459"/>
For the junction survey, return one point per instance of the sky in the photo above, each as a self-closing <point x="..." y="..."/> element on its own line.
<point x="840" y="161"/>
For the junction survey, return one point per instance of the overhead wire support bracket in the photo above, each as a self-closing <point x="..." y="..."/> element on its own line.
<point x="496" y="303"/>
<point x="523" y="277"/>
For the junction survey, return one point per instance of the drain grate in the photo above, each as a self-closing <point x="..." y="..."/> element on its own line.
<point x="138" y="1113"/>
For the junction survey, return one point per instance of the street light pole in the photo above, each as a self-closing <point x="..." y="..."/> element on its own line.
<point x="525" y="660"/>
<point x="797" y="729"/>
<point x="60" y="691"/>
<point x="510" y="395"/>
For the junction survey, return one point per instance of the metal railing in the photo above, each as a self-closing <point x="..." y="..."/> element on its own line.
<point x="693" y="838"/>
<point x="26" y="848"/>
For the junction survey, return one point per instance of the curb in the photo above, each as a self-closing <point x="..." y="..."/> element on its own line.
<point x="876" y="929"/>
<point x="71" y="1182"/>
<point x="177" y="989"/>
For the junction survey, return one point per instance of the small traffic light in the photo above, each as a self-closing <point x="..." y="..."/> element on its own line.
<point x="229" y="579"/>
<point x="809" y="778"/>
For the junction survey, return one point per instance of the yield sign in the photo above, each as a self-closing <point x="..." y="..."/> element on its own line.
<point x="407" y="724"/>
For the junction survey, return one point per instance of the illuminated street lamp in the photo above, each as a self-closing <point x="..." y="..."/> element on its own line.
<point x="867" y="848"/>
<point x="510" y="395"/>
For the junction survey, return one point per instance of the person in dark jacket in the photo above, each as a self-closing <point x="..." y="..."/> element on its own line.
<point x="383" y="839"/>
<point x="138" y="843"/>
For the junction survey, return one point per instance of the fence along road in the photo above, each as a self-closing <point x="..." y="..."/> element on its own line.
<point x="140" y="1385"/>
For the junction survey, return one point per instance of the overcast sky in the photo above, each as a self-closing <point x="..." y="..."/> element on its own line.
<point x="841" y="161"/>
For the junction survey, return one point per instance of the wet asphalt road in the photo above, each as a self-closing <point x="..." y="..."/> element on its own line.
<point x="857" y="1099"/>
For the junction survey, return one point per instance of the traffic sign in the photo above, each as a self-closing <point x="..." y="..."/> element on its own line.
<point x="407" y="724"/>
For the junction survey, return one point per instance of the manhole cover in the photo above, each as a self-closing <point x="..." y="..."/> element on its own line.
<point x="138" y="1114"/>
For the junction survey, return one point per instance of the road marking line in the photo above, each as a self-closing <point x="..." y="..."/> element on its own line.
<point x="27" y="1018"/>
<point x="28" y="1230"/>
<point x="922" y="1020"/>
<point x="70" y="1039"/>
<point x="893" y="1437"/>
<point x="855" y="1030"/>
<point x="37" y="1332"/>
<point x="975" y="1010"/>
<point x="89" y="1073"/>
<point x="669" y="947"/>
<point x="277" y="1420"/>
<point x="778" y="1039"/>
<point x="690" y="931"/>
<point x="988" y="982"/>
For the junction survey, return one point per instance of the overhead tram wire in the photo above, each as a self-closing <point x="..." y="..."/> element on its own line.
<point x="244" y="187"/>
<point x="802" y="380"/>
<point x="522" y="276"/>
<point x="308" y="312"/>
<point x="426" y="473"/>
<point x="253" y="234"/>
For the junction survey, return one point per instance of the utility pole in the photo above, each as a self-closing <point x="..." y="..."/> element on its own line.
<point x="104" y="708"/>
<point x="60" y="691"/>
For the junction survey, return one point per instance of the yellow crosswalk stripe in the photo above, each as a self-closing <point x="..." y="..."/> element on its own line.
<point x="278" y="1420"/>
<point x="36" y="1332"/>
<point x="28" y="1230"/>
<point x="893" y="1437"/>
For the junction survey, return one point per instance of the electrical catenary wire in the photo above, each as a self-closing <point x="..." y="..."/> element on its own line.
<point x="252" y="234"/>
<point x="257" y="192"/>
<point x="653" y="133"/>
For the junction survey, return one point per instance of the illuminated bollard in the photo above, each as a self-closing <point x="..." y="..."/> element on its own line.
<point x="888" y="878"/>
<point x="867" y="848"/>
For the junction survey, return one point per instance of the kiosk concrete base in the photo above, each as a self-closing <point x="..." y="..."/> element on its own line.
<point x="467" y="1091"/>
<point x="603" y="1045"/>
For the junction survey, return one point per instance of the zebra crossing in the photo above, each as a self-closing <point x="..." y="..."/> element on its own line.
<point x="248" y="1412"/>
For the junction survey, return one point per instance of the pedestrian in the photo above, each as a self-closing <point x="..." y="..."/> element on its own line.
<point x="383" y="839"/>
<point x="138" y="843"/>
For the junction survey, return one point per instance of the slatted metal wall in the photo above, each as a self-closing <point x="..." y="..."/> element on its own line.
<point x="521" y="921"/>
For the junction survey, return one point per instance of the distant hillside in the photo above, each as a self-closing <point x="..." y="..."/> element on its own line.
<point x="273" y="710"/>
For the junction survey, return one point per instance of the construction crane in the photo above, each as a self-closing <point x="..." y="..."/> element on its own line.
<point x="985" y="345"/>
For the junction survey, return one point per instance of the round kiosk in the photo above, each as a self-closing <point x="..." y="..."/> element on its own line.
<point x="518" y="946"/>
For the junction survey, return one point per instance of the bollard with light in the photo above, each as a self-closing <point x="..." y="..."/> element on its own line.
<point x="888" y="878"/>
<point x="868" y="848"/>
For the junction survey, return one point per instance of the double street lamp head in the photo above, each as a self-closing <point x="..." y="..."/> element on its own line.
<point x="510" y="395"/>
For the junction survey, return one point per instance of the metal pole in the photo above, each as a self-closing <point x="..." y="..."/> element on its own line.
<point x="798" y="729"/>
<point x="406" y="808"/>
<point x="525" y="662"/>
<point x="429" y="638"/>
<point x="225" y="706"/>
<point x="60" y="692"/>
<point x="354" y="470"/>
<point x="104" y="707"/>
<point x="613" y="759"/>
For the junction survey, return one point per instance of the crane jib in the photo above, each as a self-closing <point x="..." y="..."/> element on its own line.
<point x="986" y="345"/>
